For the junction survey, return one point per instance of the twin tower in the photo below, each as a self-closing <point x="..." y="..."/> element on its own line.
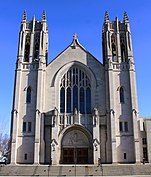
<point x="75" y="109"/>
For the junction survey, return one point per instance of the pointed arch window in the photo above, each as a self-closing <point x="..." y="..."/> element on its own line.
<point x="121" y="95"/>
<point x="76" y="92"/>
<point x="28" y="95"/>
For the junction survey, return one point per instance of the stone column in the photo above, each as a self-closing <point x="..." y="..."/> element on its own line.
<point x="14" y="137"/>
<point x="113" y="137"/>
<point x="37" y="138"/>
<point x="55" y="154"/>
<point x="96" y="137"/>
<point x="136" y="137"/>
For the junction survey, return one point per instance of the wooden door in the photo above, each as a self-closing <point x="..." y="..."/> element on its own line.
<point x="75" y="155"/>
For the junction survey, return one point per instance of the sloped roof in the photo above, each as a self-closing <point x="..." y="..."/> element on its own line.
<point x="75" y="43"/>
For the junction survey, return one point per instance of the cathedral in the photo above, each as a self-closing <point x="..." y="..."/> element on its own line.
<point x="75" y="109"/>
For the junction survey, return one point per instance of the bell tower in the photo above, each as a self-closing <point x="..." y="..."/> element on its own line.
<point x="121" y="92"/>
<point x="28" y="90"/>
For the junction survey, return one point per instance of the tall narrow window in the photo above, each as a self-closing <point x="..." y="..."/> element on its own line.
<point x="24" y="126"/>
<point x="121" y="126"/>
<point x="27" y="51"/>
<point x="82" y="106"/>
<point x="121" y="95"/>
<point x="36" y="53"/>
<point x="29" y="126"/>
<point x="144" y="141"/>
<point x="114" y="58"/>
<point x="88" y="100"/>
<point x="123" y="53"/>
<point x="62" y="100"/>
<point x="124" y="155"/>
<point x="68" y="100"/>
<point x="28" y="95"/>
<point x="75" y="97"/>
<point x="25" y="156"/>
<point x="126" y="126"/>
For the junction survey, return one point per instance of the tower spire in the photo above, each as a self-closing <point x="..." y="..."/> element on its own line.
<point x="106" y="18"/>
<point x="126" y="20"/>
<point x="24" y="16"/>
<point x="44" y="16"/>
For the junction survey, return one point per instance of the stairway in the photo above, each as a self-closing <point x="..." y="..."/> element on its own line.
<point x="76" y="170"/>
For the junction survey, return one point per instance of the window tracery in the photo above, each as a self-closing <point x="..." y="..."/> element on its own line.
<point x="75" y="92"/>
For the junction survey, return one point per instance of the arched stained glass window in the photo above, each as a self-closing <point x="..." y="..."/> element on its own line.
<point x="28" y="95"/>
<point x="62" y="100"/>
<point x="121" y="95"/>
<point x="75" y="86"/>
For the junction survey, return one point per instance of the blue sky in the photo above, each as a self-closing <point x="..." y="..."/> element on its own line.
<point x="64" y="17"/>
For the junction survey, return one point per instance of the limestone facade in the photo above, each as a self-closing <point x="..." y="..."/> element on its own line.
<point x="75" y="109"/>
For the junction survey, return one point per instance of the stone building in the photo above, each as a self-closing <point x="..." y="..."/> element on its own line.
<point x="75" y="109"/>
<point x="145" y="137"/>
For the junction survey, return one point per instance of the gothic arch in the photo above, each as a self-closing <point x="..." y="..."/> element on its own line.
<point x="73" y="138"/>
<point x="75" y="126"/>
<point x="67" y="66"/>
<point x="64" y="69"/>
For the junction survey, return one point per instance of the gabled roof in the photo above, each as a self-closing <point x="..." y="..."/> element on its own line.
<point x="75" y="43"/>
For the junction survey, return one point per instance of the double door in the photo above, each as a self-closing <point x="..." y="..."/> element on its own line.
<point x="75" y="155"/>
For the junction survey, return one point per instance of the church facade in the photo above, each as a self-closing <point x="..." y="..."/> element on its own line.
<point x="75" y="109"/>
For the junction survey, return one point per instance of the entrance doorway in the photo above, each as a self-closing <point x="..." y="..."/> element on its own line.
<point x="75" y="155"/>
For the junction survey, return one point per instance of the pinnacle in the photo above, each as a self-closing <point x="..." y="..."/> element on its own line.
<point x="106" y="18"/>
<point x="125" y="17"/>
<point x="24" y="16"/>
<point x="44" y="16"/>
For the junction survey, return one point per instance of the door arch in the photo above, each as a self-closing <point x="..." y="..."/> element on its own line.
<point x="76" y="146"/>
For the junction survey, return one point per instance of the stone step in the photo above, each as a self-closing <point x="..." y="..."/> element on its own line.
<point x="76" y="170"/>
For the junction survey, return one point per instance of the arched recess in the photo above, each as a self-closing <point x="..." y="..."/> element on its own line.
<point x="75" y="145"/>
<point x="64" y="69"/>
<point x="121" y="90"/>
